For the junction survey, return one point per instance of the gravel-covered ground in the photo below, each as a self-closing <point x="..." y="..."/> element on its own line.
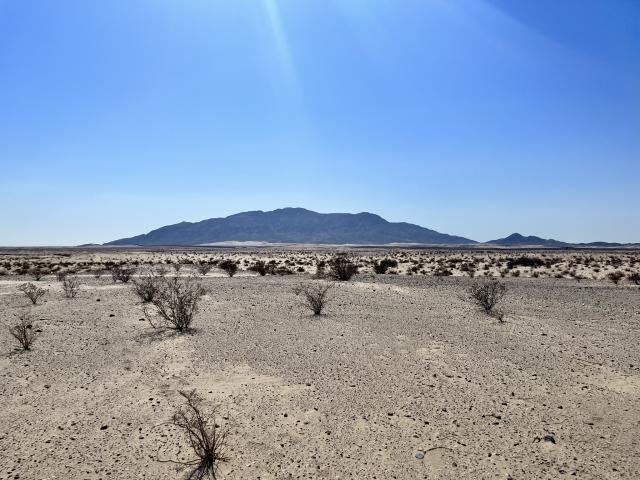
<point x="402" y="378"/>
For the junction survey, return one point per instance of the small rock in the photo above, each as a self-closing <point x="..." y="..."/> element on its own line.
<point x="419" y="455"/>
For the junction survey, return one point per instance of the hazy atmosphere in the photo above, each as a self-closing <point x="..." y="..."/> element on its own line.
<point x="471" y="117"/>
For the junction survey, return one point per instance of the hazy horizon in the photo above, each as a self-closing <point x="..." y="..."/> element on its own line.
<point x="476" y="118"/>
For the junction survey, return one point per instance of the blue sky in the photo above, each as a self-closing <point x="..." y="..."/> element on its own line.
<point x="472" y="117"/>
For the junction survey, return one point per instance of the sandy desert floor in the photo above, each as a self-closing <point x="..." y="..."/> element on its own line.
<point x="403" y="378"/>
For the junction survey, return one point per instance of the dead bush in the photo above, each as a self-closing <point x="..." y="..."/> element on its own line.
<point x="37" y="273"/>
<point x="176" y="302"/>
<point x="615" y="277"/>
<point x="314" y="296"/>
<point x="341" y="268"/>
<point x="32" y="292"/>
<point x="259" y="267"/>
<point x="207" y="439"/>
<point x="71" y="286"/>
<point x="229" y="267"/>
<point x="634" y="277"/>
<point x="24" y="332"/>
<point x="204" y="268"/>
<point x="61" y="275"/>
<point x="122" y="273"/>
<point x="487" y="293"/>
<point x="146" y="287"/>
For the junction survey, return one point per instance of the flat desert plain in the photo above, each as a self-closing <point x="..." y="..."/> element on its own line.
<point x="403" y="377"/>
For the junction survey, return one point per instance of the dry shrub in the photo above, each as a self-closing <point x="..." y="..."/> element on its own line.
<point x="315" y="296"/>
<point x="24" y="332"/>
<point x="122" y="273"/>
<point x="259" y="267"/>
<point x="204" y="268"/>
<point x="615" y="277"/>
<point x="341" y="268"/>
<point x="70" y="286"/>
<point x="207" y="439"/>
<point x="176" y="301"/>
<point x="229" y="267"/>
<point x="61" y="275"/>
<point x="37" y="273"/>
<point x="383" y="265"/>
<point x="32" y="292"/>
<point x="634" y="277"/>
<point x="487" y="293"/>
<point x="146" y="287"/>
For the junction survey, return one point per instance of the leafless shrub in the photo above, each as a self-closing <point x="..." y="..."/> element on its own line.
<point x="122" y="273"/>
<point x="146" y="287"/>
<point x="70" y="286"/>
<point x="341" y="268"/>
<point x="615" y="277"/>
<point x="259" y="267"/>
<point x="487" y="293"/>
<point x="176" y="301"/>
<point x="24" y="332"/>
<point x="161" y="270"/>
<point x="37" y="273"/>
<point x="176" y="266"/>
<point x="61" y="275"/>
<point x="207" y="439"/>
<point x="321" y="266"/>
<point x="634" y="277"/>
<point x="315" y="296"/>
<point x="229" y="266"/>
<point x="32" y="292"/>
<point x="204" y="268"/>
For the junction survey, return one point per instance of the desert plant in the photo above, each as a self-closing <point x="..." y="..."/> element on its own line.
<point x="615" y="277"/>
<point x="320" y="269"/>
<point x="341" y="268"/>
<point x="634" y="277"/>
<point x="32" y="292"/>
<point x="176" y="301"/>
<point x="146" y="287"/>
<point x="207" y="439"/>
<point x="229" y="267"/>
<point x="24" y="332"/>
<point x="259" y="267"/>
<point x="315" y="296"/>
<point x="383" y="265"/>
<point x="61" y="275"/>
<point x="122" y="273"/>
<point x="176" y="266"/>
<point x="204" y="268"/>
<point x="70" y="286"/>
<point x="37" y="273"/>
<point x="161" y="270"/>
<point x="488" y="293"/>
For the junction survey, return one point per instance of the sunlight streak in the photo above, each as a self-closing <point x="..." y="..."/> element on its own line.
<point x="284" y="52"/>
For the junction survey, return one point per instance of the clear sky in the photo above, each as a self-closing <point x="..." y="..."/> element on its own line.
<point x="472" y="117"/>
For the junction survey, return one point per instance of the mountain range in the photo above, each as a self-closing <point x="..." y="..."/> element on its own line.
<point x="298" y="225"/>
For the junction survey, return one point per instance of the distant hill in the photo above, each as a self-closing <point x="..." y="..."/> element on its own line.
<point x="293" y="225"/>
<point x="515" y="239"/>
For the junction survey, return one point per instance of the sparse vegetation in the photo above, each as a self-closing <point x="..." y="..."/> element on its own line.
<point x="634" y="277"/>
<point x="146" y="286"/>
<point x="176" y="302"/>
<point x="259" y="267"/>
<point x="487" y="293"/>
<point x="122" y="273"/>
<point x="615" y="277"/>
<point x="314" y="296"/>
<point x="71" y="286"/>
<point x="206" y="438"/>
<point x="341" y="268"/>
<point x="383" y="265"/>
<point x="204" y="268"/>
<point x="229" y="267"/>
<point x="32" y="292"/>
<point x="24" y="332"/>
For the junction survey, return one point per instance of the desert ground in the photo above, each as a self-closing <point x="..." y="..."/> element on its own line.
<point x="402" y="377"/>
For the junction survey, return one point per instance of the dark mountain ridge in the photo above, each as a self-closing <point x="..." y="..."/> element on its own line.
<point x="294" y="225"/>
